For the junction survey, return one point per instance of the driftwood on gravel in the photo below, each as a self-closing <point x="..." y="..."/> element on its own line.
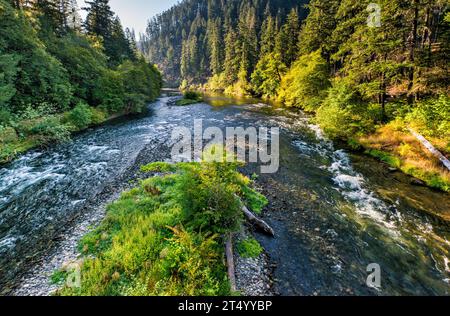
<point x="431" y="149"/>
<point x="230" y="262"/>
<point x="258" y="223"/>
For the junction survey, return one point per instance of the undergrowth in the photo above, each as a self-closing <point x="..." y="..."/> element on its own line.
<point x="164" y="237"/>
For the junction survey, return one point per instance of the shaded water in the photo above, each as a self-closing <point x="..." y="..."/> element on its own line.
<point x="334" y="213"/>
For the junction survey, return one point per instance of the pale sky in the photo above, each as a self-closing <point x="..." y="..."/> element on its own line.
<point x="136" y="13"/>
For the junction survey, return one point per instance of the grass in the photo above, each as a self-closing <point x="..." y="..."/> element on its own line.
<point x="385" y="157"/>
<point x="58" y="277"/>
<point x="255" y="200"/>
<point x="186" y="102"/>
<point x="190" y="97"/>
<point x="164" y="237"/>
<point x="394" y="145"/>
<point x="249" y="248"/>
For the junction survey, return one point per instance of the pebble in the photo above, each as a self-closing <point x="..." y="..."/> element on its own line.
<point x="253" y="276"/>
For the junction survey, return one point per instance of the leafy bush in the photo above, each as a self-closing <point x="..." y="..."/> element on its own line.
<point x="306" y="83"/>
<point x="80" y="116"/>
<point x="7" y="152"/>
<point x="192" y="95"/>
<point x="249" y="248"/>
<point x="7" y="135"/>
<point x="5" y="117"/>
<point x="215" y="84"/>
<point x="432" y="117"/>
<point x="342" y="113"/>
<point x="98" y="116"/>
<point x="254" y="200"/>
<point x="50" y="130"/>
<point x="208" y="196"/>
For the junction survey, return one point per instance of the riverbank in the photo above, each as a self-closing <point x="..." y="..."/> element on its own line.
<point x="42" y="132"/>
<point x="396" y="146"/>
<point x="393" y="144"/>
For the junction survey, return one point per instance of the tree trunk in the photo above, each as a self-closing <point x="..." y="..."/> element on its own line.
<point x="382" y="98"/>
<point x="431" y="149"/>
<point x="412" y="48"/>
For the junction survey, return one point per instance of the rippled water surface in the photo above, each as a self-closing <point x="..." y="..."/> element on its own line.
<point x="334" y="212"/>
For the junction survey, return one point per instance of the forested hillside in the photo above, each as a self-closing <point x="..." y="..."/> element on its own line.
<point x="197" y="39"/>
<point x="357" y="65"/>
<point x="59" y="74"/>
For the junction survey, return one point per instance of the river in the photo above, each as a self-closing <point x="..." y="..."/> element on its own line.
<point x="334" y="212"/>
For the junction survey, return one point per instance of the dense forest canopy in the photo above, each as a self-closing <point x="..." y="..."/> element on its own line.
<point x="59" y="73"/>
<point x="192" y="39"/>
<point x="292" y="50"/>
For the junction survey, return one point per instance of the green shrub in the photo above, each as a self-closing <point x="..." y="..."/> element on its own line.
<point x="306" y="83"/>
<point x="8" y="135"/>
<point x="215" y="84"/>
<point x="208" y="195"/>
<point x="58" y="277"/>
<point x="7" y="152"/>
<point x="80" y="116"/>
<point x="98" y="116"/>
<point x="50" y="130"/>
<point x="249" y="248"/>
<point x="184" y="85"/>
<point x="343" y="114"/>
<point x="5" y="117"/>
<point x="432" y="117"/>
<point x="192" y="95"/>
<point x="254" y="200"/>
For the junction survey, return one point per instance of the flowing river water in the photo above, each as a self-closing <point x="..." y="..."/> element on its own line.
<point x="334" y="212"/>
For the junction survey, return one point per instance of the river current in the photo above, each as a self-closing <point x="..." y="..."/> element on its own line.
<point x="335" y="213"/>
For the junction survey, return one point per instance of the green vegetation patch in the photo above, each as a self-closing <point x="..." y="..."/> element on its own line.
<point x="190" y="97"/>
<point x="164" y="237"/>
<point x="385" y="157"/>
<point x="249" y="248"/>
<point x="55" y="79"/>
<point x="254" y="200"/>
<point x="432" y="179"/>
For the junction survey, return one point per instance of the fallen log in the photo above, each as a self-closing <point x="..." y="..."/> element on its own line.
<point x="431" y="149"/>
<point x="258" y="223"/>
<point x="230" y="262"/>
